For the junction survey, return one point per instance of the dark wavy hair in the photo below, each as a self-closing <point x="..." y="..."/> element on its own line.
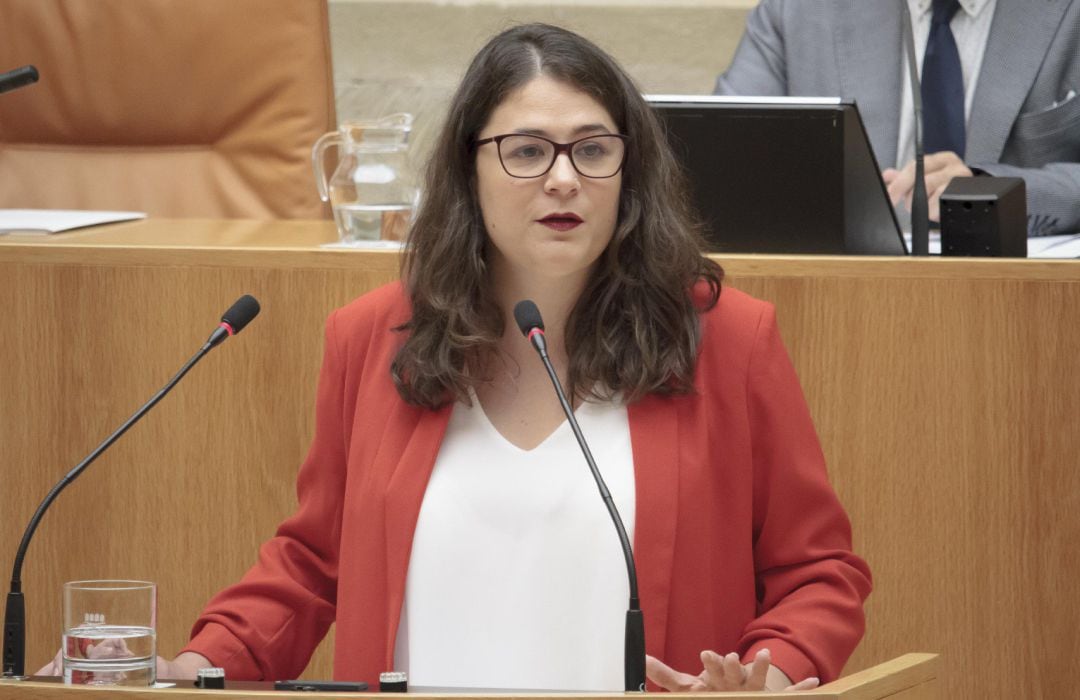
<point x="636" y="327"/>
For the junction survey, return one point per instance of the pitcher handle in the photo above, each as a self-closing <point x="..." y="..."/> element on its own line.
<point x="318" y="152"/>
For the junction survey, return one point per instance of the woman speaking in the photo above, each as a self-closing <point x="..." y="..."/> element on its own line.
<point x="447" y="522"/>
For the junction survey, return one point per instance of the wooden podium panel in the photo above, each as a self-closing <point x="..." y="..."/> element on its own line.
<point x="944" y="392"/>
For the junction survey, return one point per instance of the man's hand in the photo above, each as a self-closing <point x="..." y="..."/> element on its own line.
<point x="940" y="169"/>
<point x="725" y="673"/>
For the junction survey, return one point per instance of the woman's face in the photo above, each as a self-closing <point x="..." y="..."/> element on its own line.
<point x="556" y="225"/>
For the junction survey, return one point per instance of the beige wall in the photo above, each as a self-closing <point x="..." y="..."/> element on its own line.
<point x="408" y="55"/>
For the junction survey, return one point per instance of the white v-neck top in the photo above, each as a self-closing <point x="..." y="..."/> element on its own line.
<point x="516" y="579"/>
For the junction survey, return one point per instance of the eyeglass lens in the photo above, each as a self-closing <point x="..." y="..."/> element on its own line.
<point x="531" y="156"/>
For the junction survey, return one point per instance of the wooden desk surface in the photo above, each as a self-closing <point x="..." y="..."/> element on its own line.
<point x="909" y="677"/>
<point x="293" y="244"/>
<point x="945" y="393"/>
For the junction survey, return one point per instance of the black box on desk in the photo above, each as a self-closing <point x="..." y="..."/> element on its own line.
<point x="984" y="216"/>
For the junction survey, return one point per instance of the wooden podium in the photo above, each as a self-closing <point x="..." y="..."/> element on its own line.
<point x="944" y="392"/>
<point x="909" y="677"/>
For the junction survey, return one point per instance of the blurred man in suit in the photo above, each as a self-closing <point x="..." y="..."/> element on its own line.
<point x="1000" y="87"/>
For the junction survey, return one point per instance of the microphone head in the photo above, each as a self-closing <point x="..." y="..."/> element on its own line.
<point x="241" y="312"/>
<point x="527" y="316"/>
<point x="18" y="78"/>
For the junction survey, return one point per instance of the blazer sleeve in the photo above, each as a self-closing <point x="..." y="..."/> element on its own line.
<point x="759" y="65"/>
<point x="810" y="586"/>
<point x="268" y="624"/>
<point x="1053" y="194"/>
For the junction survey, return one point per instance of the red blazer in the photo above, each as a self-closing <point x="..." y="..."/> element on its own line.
<point x="739" y="540"/>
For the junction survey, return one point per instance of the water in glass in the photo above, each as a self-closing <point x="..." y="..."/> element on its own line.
<point x="109" y="655"/>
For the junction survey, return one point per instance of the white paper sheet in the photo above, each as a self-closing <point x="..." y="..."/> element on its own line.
<point x="46" y="221"/>
<point x="1044" y="247"/>
<point x="1065" y="246"/>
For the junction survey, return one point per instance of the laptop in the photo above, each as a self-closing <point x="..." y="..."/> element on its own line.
<point x="781" y="174"/>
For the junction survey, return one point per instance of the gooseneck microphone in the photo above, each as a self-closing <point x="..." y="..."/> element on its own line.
<point x="14" y="79"/>
<point x="920" y="206"/>
<point x="532" y="327"/>
<point x="232" y="322"/>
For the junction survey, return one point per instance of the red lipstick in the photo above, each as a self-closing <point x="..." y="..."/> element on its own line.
<point x="562" y="221"/>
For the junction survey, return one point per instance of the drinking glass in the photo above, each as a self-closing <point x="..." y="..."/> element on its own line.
<point x="110" y="633"/>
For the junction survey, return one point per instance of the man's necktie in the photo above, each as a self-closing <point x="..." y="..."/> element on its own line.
<point x="943" y="85"/>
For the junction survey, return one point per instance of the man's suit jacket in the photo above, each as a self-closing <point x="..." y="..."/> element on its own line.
<point x="1025" y="117"/>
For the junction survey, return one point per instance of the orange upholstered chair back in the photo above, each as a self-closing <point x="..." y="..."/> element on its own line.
<point x="179" y="108"/>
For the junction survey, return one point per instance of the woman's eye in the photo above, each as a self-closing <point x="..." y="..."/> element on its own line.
<point x="590" y="150"/>
<point x="527" y="152"/>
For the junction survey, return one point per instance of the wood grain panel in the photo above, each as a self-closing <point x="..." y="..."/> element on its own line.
<point x="944" y="391"/>
<point x="947" y="411"/>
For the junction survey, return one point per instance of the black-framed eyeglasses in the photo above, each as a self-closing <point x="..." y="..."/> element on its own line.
<point x="526" y="155"/>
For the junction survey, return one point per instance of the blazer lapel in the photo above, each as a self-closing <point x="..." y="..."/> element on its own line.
<point x="404" y="496"/>
<point x="654" y="437"/>
<point x="1019" y="38"/>
<point x="868" y="41"/>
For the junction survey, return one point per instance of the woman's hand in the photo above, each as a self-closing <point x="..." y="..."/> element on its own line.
<point x="54" y="667"/>
<point x="725" y="673"/>
<point x="184" y="667"/>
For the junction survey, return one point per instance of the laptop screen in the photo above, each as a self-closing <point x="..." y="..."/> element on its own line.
<point x="781" y="175"/>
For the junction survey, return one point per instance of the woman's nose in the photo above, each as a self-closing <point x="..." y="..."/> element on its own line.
<point x="562" y="176"/>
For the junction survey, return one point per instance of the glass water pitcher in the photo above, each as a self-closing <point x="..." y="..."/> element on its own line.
<point x="372" y="189"/>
